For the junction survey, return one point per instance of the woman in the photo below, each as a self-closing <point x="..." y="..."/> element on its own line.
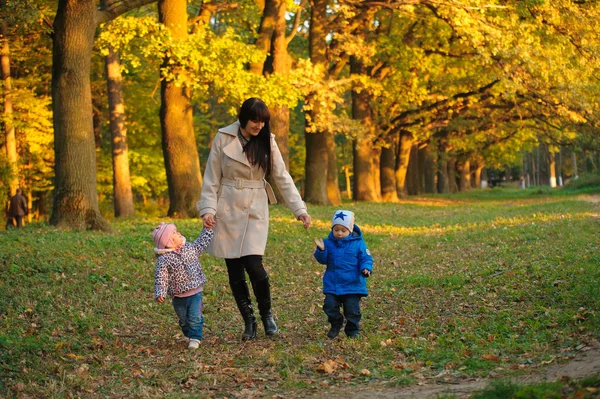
<point x="235" y="203"/>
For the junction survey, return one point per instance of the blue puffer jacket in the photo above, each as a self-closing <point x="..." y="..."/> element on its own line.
<point x="345" y="259"/>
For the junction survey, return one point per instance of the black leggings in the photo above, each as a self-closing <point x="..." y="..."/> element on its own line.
<point x="251" y="263"/>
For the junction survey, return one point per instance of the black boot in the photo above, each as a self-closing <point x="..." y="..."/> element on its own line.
<point x="262" y="290"/>
<point x="244" y="304"/>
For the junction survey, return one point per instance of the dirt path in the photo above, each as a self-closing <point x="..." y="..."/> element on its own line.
<point x="585" y="364"/>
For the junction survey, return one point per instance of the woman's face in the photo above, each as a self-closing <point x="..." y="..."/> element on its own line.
<point x="253" y="128"/>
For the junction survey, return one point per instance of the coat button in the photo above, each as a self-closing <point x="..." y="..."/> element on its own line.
<point x="228" y="163"/>
<point x="227" y="208"/>
<point x="245" y="210"/>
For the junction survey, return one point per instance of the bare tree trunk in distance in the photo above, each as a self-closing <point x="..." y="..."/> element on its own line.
<point x="123" y="196"/>
<point x="333" y="185"/>
<point x="552" y="168"/>
<point x="388" y="172"/>
<point x="75" y="194"/>
<point x="464" y="170"/>
<point x="452" y="186"/>
<point x="442" y="171"/>
<point x="182" y="162"/>
<point x="430" y="170"/>
<point x="7" y="112"/>
<point x="402" y="160"/>
<point x="366" y="156"/>
<point x="320" y="145"/>
<point x="412" y="181"/>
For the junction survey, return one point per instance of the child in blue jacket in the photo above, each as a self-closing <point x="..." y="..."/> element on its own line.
<point x="349" y="263"/>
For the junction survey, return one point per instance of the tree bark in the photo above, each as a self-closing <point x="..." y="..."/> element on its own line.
<point x="402" y="160"/>
<point x="366" y="156"/>
<point x="123" y="196"/>
<point x="315" y="189"/>
<point x="478" y="171"/>
<point x="452" y="186"/>
<point x="75" y="195"/>
<point x="442" y="171"/>
<point x="7" y="112"/>
<point x="413" y="171"/>
<point x="320" y="145"/>
<point x="430" y="170"/>
<point x="178" y="139"/>
<point x="333" y="186"/>
<point x="388" y="172"/>
<point x="464" y="170"/>
<point x="552" y="169"/>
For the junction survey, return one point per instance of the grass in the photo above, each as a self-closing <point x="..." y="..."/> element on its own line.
<point x="489" y="281"/>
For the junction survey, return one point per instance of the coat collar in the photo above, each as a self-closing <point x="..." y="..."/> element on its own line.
<point x="234" y="149"/>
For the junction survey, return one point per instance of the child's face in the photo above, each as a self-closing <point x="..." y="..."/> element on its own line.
<point x="176" y="239"/>
<point x="340" y="231"/>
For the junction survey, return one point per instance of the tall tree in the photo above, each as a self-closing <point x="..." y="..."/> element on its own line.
<point x="179" y="142"/>
<point x="7" y="111"/>
<point x="123" y="197"/>
<point x="317" y="151"/>
<point x="366" y="154"/>
<point x="75" y="194"/>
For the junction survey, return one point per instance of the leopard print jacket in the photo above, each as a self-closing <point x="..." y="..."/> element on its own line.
<point x="178" y="271"/>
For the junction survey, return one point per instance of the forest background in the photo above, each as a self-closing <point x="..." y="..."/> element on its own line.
<point x="115" y="102"/>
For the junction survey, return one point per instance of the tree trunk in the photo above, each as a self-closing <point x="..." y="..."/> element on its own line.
<point x="388" y="173"/>
<point x="452" y="186"/>
<point x="366" y="181"/>
<point x="464" y="170"/>
<point x="320" y="145"/>
<point x="477" y="175"/>
<point x="182" y="163"/>
<point x="552" y="169"/>
<point x="402" y="161"/>
<point x="430" y="170"/>
<point x="75" y="195"/>
<point x="412" y="180"/>
<point x="333" y="185"/>
<point x="442" y="172"/>
<point x="7" y="113"/>
<point x="282" y="65"/>
<point x="574" y="161"/>
<point x="422" y="156"/>
<point x="123" y="197"/>
<point x="315" y="189"/>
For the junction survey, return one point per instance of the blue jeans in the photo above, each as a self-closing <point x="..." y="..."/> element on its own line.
<point x="189" y="312"/>
<point x="351" y="304"/>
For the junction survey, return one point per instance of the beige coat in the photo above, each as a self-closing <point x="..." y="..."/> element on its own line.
<point x="236" y="193"/>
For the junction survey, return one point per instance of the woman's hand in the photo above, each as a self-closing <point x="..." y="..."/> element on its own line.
<point x="305" y="218"/>
<point x="208" y="220"/>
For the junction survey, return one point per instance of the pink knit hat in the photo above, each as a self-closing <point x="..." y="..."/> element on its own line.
<point x="162" y="235"/>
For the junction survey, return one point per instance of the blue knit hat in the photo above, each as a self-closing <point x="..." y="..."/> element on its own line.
<point x="343" y="218"/>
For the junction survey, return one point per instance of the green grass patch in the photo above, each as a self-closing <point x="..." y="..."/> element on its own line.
<point x="497" y="280"/>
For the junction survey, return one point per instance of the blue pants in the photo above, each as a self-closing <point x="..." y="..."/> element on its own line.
<point x="189" y="312"/>
<point x="351" y="305"/>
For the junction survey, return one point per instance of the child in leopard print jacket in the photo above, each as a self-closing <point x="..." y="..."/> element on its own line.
<point x="179" y="275"/>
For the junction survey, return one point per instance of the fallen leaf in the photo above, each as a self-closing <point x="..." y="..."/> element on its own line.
<point x="490" y="357"/>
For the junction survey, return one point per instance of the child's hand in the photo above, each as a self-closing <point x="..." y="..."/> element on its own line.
<point x="208" y="220"/>
<point x="319" y="243"/>
<point x="160" y="299"/>
<point x="366" y="272"/>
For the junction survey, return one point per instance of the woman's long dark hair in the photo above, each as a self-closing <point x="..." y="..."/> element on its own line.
<point x="258" y="149"/>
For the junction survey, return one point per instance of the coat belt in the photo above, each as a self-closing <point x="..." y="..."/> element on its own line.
<point x="242" y="183"/>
